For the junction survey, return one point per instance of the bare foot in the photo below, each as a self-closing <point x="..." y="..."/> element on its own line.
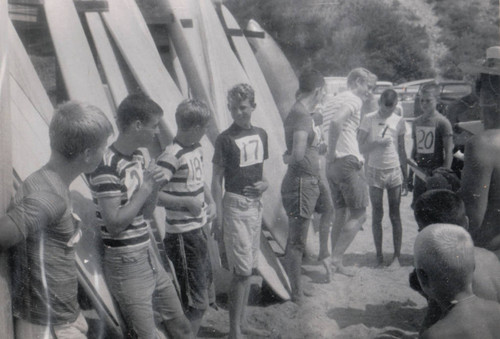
<point x="328" y="270"/>
<point x="380" y="261"/>
<point x="248" y="330"/>
<point x="395" y="264"/>
<point x="344" y="270"/>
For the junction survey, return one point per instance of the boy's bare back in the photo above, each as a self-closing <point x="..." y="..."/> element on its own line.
<point x="471" y="318"/>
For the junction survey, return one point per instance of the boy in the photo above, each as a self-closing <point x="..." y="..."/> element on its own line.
<point x="42" y="229"/>
<point x="300" y="186"/>
<point x="185" y="199"/>
<point x="125" y="193"/>
<point x="432" y="138"/>
<point x="382" y="136"/>
<point x="444" y="206"/>
<point x="238" y="161"/>
<point x="444" y="261"/>
<point x="481" y="174"/>
<point x="345" y="169"/>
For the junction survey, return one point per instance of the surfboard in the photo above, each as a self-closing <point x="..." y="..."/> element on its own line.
<point x="277" y="70"/>
<point x="230" y="72"/>
<point x="473" y="127"/>
<point x="79" y="71"/>
<point x="417" y="170"/>
<point x="271" y="270"/>
<point x="32" y="111"/>
<point x="185" y="34"/>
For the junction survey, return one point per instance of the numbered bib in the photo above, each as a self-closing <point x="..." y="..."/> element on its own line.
<point x="426" y="139"/>
<point x="195" y="172"/>
<point x="251" y="150"/>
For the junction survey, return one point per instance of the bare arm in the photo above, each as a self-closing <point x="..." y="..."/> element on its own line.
<point x="476" y="178"/>
<point x="448" y="151"/>
<point x="9" y="234"/>
<point x="403" y="162"/>
<point x="299" y="146"/>
<point x="217" y="180"/>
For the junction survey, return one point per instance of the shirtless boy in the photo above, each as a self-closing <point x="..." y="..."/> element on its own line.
<point x="444" y="260"/>
<point x="481" y="174"/>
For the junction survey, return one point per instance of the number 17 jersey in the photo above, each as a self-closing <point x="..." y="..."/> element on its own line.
<point x="241" y="152"/>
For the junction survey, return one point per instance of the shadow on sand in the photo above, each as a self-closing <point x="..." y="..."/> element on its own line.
<point x="392" y="314"/>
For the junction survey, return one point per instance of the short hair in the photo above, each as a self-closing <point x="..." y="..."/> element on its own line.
<point x="136" y="106"/>
<point x="77" y="126"/>
<point x="240" y="93"/>
<point x="440" y="206"/>
<point x="310" y="79"/>
<point x="360" y="73"/>
<point x="446" y="254"/>
<point x="430" y="88"/>
<point x="389" y="97"/>
<point x="191" y="113"/>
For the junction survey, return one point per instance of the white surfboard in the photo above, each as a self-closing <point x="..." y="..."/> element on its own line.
<point x="276" y="68"/>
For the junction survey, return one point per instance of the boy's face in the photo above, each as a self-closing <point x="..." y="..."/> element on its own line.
<point x="148" y="130"/>
<point x="241" y="112"/>
<point x="428" y="103"/>
<point x="93" y="156"/>
<point x="386" y="109"/>
<point x="364" y="89"/>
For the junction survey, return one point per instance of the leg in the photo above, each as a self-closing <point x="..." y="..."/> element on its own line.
<point x="239" y="286"/>
<point x="297" y="237"/>
<point x="357" y="217"/>
<point x="195" y="316"/>
<point x="179" y="327"/>
<point x="394" y="197"/>
<point x="376" y="196"/>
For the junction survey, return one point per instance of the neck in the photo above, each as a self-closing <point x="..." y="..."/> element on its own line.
<point x="185" y="138"/>
<point x="66" y="170"/>
<point x="308" y="101"/>
<point x="125" y="145"/>
<point x="459" y="298"/>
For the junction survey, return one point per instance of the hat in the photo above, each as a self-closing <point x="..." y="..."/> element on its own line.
<point x="490" y="66"/>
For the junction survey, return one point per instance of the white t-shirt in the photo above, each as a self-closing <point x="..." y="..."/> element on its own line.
<point x="383" y="157"/>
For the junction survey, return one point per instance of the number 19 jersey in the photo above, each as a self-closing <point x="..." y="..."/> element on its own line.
<point x="183" y="167"/>
<point x="242" y="153"/>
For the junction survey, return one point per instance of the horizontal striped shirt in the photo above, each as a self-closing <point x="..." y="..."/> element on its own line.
<point x="120" y="176"/>
<point x="44" y="276"/>
<point x="183" y="166"/>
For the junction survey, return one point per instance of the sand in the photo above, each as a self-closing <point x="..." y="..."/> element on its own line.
<point x="375" y="303"/>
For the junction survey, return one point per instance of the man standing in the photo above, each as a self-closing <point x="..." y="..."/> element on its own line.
<point x="345" y="169"/>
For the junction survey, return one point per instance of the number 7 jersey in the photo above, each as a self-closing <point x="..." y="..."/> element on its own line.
<point x="241" y="152"/>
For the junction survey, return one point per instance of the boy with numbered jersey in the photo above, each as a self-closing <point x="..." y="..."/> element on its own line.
<point x="187" y="200"/>
<point x="238" y="162"/>
<point x="42" y="229"/>
<point x="125" y="192"/>
<point x="432" y="136"/>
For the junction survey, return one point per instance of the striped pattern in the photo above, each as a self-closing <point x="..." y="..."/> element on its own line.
<point x="120" y="176"/>
<point x="183" y="166"/>
<point x="44" y="277"/>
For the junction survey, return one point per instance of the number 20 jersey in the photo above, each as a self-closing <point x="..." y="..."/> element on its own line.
<point x="183" y="167"/>
<point x="242" y="153"/>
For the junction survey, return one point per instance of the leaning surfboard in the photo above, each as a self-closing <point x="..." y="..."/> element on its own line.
<point x="276" y="68"/>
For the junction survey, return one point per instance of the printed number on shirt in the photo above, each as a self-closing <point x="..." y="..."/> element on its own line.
<point x="426" y="139"/>
<point x="195" y="170"/>
<point x="133" y="179"/>
<point x="251" y="150"/>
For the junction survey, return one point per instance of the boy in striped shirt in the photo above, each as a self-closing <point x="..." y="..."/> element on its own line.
<point x="188" y="204"/>
<point x="125" y="192"/>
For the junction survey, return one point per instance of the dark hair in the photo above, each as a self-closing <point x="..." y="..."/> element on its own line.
<point x="239" y="93"/>
<point x="431" y="88"/>
<point x="135" y="107"/>
<point x="310" y="79"/>
<point x="440" y="206"/>
<point x="191" y="113"/>
<point x="389" y="97"/>
<point x="77" y="126"/>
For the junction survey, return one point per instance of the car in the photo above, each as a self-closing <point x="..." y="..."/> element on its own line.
<point x="335" y="85"/>
<point x="449" y="91"/>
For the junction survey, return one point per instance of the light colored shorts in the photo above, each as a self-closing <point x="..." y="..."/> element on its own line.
<point x="384" y="178"/>
<point x="76" y="330"/>
<point x="242" y="224"/>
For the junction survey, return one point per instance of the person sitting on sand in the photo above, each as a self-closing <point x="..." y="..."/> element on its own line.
<point x="444" y="260"/>
<point x="381" y="135"/>
<point x="481" y="173"/>
<point x="444" y="206"/>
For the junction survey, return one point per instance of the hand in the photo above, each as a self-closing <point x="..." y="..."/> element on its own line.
<point x="255" y="190"/>
<point x="409" y="183"/>
<point x="384" y="142"/>
<point x="211" y="212"/>
<point x="193" y="204"/>
<point x="404" y="188"/>
<point x="154" y="176"/>
<point x="322" y="149"/>
<point x="287" y="158"/>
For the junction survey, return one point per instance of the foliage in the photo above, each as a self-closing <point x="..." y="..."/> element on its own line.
<point x="335" y="36"/>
